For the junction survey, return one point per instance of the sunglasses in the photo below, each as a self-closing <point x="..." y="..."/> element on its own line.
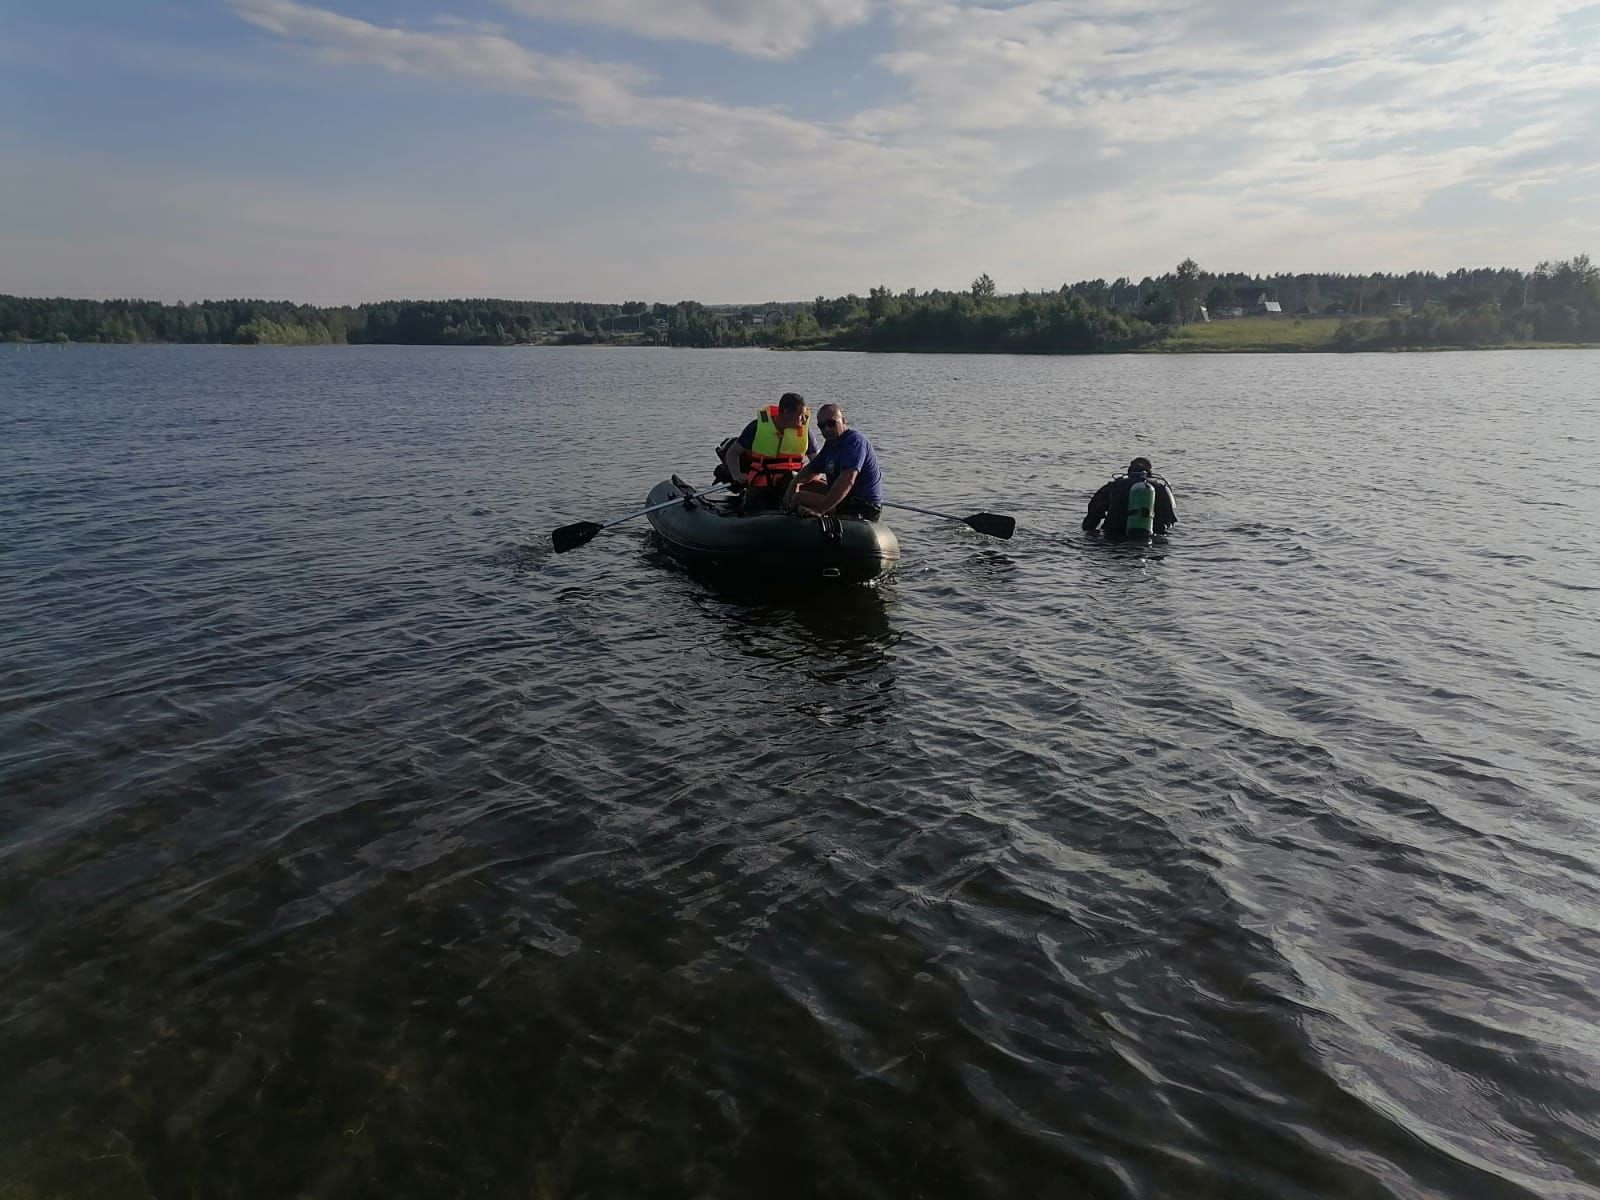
<point x="828" y="424"/>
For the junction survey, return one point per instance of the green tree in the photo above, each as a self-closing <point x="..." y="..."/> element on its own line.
<point x="1187" y="286"/>
<point x="983" y="287"/>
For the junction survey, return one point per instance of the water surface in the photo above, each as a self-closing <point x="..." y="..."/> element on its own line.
<point x="353" y="844"/>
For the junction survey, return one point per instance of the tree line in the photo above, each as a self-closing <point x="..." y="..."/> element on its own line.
<point x="969" y="320"/>
<point x="249" y="322"/>
<point x="976" y="320"/>
<point x="1556" y="301"/>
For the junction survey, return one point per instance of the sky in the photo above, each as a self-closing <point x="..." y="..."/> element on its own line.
<point x="734" y="151"/>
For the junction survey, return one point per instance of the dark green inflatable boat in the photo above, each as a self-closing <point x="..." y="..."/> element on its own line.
<point x="710" y="532"/>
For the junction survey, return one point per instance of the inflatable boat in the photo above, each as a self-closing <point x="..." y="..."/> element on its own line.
<point x="710" y="532"/>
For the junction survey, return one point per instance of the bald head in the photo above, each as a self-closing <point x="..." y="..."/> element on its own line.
<point x="830" y="419"/>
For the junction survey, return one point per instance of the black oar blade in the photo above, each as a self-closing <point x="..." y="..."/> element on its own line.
<point x="993" y="524"/>
<point x="570" y="537"/>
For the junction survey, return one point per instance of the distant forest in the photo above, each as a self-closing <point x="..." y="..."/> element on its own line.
<point x="1554" y="302"/>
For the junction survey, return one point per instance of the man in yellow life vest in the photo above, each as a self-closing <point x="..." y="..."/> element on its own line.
<point x="770" y="450"/>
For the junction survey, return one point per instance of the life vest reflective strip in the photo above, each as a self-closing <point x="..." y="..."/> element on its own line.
<point x="776" y="454"/>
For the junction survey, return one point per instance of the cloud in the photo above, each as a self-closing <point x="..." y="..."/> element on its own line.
<point x="783" y="170"/>
<point x="1363" y="106"/>
<point x="489" y="59"/>
<point x="1049" y="138"/>
<point x="766" y="28"/>
<point x="1139" y="71"/>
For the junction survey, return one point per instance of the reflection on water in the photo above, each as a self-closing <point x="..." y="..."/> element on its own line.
<point x="830" y="644"/>
<point x="840" y="618"/>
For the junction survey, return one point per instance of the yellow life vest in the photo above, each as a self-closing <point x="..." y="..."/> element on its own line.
<point x="775" y="453"/>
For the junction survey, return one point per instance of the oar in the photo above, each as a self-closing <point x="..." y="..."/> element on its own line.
<point x="993" y="524"/>
<point x="580" y="533"/>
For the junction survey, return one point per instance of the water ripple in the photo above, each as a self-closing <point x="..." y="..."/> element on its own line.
<point x="357" y="844"/>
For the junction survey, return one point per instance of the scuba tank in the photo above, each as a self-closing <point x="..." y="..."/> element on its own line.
<point x="1141" y="509"/>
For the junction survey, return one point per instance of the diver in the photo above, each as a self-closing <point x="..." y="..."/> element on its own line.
<point x="1135" y="505"/>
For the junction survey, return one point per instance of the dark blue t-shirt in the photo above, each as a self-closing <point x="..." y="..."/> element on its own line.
<point x="851" y="451"/>
<point x="748" y="437"/>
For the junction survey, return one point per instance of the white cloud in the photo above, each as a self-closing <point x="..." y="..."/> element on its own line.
<point x="1137" y="71"/>
<point x="489" y="59"/>
<point x="767" y="28"/>
<point x="1049" y="139"/>
<point x="783" y="169"/>
<point x="451" y="21"/>
<point x="1296" y="109"/>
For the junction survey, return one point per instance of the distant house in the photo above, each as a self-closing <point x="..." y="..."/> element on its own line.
<point x="1254" y="302"/>
<point x="771" y="315"/>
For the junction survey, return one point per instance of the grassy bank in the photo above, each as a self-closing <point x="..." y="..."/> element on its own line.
<point x="1245" y="335"/>
<point x="1278" y="335"/>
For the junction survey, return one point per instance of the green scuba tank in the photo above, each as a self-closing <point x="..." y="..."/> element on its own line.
<point x="1141" y="509"/>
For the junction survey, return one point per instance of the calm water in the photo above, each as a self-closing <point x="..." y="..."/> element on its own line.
<point x="351" y="844"/>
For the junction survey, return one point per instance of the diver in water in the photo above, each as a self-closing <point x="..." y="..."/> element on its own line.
<point x="1135" y="505"/>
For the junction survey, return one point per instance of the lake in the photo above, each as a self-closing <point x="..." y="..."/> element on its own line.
<point x="354" y="844"/>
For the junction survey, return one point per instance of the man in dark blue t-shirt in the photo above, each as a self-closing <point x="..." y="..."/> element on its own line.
<point x="854" y="485"/>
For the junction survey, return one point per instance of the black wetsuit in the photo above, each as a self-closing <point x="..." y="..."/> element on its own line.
<point x="1110" y="504"/>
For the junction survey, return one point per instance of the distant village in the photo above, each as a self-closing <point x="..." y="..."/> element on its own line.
<point x="1248" y="302"/>
<point x="1258" y="302"/>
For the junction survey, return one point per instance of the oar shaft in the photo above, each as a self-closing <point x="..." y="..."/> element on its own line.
<point x="665" y="504"/>
<point x="992" y="524"/>
<point x="927" y="512"/>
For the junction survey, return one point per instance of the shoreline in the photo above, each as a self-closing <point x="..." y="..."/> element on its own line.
<point x="1164" y="347"/>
